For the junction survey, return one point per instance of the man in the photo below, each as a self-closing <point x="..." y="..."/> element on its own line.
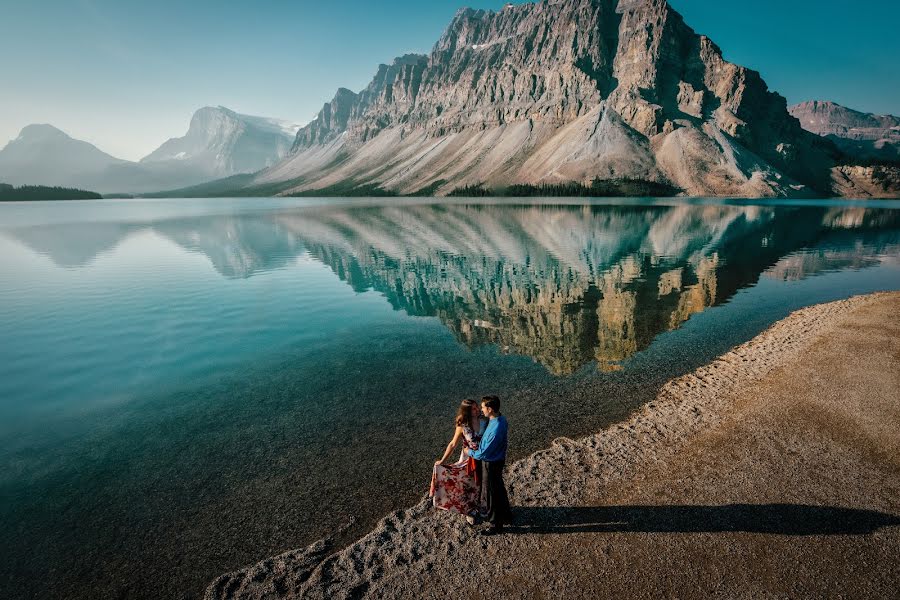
<point x="492" y="454"/>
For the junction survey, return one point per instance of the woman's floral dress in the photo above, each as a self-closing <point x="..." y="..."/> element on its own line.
<point x="453" y="487"/>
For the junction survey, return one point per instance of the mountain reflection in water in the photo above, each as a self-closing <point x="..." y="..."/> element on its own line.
<point x="565" y="285"/>
<point x="568" y="286"/>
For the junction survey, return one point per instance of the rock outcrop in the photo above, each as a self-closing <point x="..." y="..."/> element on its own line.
<point x="560" y="91"/>
<point x="876" y="181"/>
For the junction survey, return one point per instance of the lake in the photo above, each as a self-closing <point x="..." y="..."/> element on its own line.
<point x="189" y="386"/>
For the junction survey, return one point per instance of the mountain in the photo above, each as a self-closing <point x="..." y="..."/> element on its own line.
<point x="218" y="143"/>
<point x="861" y="135"/>
<point x="221" y="142"/>
<point x="42" y="154"/>
<point x="555" y="92"/>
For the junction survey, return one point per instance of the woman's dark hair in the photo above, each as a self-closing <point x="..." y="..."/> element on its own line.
<point x="492" y="402"/>
<point x="464" y="414"/>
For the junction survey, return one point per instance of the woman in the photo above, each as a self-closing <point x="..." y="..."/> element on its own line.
<point x="456" y="486"/>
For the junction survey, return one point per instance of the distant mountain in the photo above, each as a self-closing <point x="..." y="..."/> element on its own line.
<point x="861" y="135"/>
<point x="219" y="143"/>
<point x="44" y="155"/>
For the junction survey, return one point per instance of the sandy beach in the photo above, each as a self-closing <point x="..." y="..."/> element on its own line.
<point x="772" y="472"/>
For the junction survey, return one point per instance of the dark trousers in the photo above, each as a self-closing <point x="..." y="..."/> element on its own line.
<point x="493" y="493"/>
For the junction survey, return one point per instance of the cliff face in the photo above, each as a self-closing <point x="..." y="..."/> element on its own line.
<point x="560" y="91"/>
<point x="331" y="121"/>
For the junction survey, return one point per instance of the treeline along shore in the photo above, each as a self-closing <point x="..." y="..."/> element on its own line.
<point x="9" y="193"/>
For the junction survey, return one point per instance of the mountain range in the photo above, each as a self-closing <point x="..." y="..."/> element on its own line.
<point x="556" y="93"/>
<point x="218" y="143"/>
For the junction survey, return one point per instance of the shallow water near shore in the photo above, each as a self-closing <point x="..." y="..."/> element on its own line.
<point x="189" y="386"/>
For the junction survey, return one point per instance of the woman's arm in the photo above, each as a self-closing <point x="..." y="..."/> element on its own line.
<point x="450" y="446"/>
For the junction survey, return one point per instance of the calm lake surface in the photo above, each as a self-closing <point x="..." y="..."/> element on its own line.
<point x="189" y="386"/>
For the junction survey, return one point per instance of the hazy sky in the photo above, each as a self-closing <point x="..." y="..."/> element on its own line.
<point x="127" y="75"/>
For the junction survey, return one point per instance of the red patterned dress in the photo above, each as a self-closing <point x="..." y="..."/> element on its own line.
<point x="454" y="487"/>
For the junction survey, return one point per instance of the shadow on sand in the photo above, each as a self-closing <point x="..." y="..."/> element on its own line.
<point x="783" y="519"/>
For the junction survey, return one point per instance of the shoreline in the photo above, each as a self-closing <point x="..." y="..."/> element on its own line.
<point x="547" y="486"/>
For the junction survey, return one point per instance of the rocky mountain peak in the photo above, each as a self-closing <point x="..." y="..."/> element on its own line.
<point x="330" y="122"/>
<point x="393" y="85"/>
<point x="211" y="121"/>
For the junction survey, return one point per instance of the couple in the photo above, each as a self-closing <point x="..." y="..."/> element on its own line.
<point x="473" y="485"/>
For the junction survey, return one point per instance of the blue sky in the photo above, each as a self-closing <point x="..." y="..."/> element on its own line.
<point x="127" y="75"/>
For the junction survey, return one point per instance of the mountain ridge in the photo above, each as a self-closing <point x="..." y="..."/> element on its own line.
<point x="862" y="135"/>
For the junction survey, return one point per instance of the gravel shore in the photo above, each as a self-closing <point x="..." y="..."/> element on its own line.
<point x="774" y="471"/>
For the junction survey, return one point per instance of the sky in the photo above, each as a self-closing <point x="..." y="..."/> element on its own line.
<point x="128" y="75"/>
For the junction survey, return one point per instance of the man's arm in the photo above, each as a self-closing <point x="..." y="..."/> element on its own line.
<point x="485" y="443"/>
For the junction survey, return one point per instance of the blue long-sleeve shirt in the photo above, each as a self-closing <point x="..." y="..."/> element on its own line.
<point x="493" y="443"/>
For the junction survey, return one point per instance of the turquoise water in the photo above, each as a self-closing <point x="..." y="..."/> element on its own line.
<point x="188" y="386"/>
